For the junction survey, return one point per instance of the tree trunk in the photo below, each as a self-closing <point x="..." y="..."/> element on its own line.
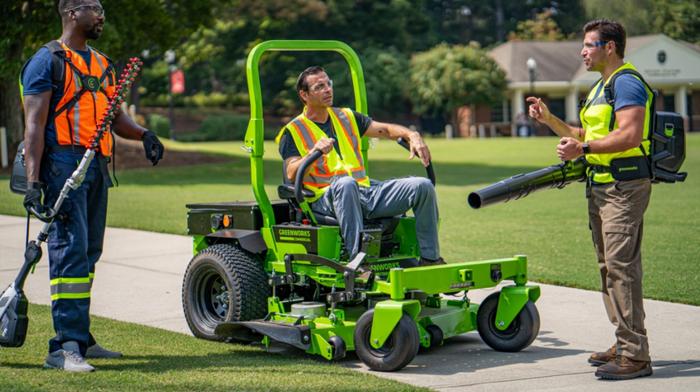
<point x="11" y="112"/>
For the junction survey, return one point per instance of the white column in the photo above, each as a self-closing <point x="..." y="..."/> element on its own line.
<point x="681" y="101"/>
<point x="518" y="106"/>
<point x="3" y="147"/>
<point x="571" y="103"/>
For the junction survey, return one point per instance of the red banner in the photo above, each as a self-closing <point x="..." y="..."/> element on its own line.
<point x="177" y="82"/>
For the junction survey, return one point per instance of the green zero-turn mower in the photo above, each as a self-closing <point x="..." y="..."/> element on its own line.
<point x="272" y="271"/>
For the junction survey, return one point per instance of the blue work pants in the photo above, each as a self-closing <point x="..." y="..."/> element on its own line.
<point x="74" y="246"/>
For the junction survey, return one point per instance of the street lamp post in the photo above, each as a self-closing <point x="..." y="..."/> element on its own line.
<point x="532" y="70"/>
<point x="170" y="60"/>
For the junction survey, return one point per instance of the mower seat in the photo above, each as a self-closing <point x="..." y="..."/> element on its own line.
<point x="286" y="192"/>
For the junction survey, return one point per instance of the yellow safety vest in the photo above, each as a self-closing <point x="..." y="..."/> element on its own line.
<point x="596" y="116"/>
<point x="306" y="133"/>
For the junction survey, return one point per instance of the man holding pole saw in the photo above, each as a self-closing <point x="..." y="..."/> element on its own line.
<point x="66" y="90"/>
<point x="615" y="142"/>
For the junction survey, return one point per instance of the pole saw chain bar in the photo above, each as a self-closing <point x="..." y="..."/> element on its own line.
<point x="124" y="84"/>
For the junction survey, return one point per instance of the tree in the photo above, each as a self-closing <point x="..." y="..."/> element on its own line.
<point x="677" y="19"/>
<point x="447" y="77"/>
<point x="131" y="26"/>
<point x="542" y="28"/>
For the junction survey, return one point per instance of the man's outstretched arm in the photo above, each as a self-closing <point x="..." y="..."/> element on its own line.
<point x="395" y="131"/>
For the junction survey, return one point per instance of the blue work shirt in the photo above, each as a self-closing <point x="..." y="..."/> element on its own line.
<point x="629" y="91"/>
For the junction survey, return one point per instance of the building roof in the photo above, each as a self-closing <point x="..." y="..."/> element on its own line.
<point x="560" y="61"/>
<point x="556" y="61"/>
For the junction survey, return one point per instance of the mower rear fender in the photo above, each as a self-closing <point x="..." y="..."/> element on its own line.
<point x="511" y="301"/>
<point x="249" y="240"/>
<point x="387" y="315"/>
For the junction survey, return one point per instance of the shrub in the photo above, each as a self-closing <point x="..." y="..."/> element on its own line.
<point x="160" y="125"/>
<point x="218" y="127"/>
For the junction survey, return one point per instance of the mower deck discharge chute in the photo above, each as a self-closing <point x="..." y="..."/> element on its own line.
<point x="272" y="271"/>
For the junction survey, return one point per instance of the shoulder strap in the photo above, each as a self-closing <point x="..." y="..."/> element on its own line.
<point x="609" y="92"/>
<point x="610" y="87"/>
<point x="58" y="63"/>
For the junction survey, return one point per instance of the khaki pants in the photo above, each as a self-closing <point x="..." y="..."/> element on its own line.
<point x="616" y="215"/>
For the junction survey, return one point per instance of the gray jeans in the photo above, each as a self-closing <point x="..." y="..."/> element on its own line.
<point x="350" y="203"/>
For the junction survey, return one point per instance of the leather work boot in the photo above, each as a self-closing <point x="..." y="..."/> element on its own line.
<point x="97" y="351"/>
<point x="603" y="357"/>
<point x="423" y="262"/>
<point x="623" y="368"/>
<point x="68" y="358"/>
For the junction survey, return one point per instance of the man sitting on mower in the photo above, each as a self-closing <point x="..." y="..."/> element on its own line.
<point x="339" y="181"/>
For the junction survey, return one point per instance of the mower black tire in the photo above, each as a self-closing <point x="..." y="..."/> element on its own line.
<point x="521" y="332"/>
<point x="339" y="347"/>
<point x="398" y="350"/>
<point x="223" y="283"/>
<point x="436" y="335"/>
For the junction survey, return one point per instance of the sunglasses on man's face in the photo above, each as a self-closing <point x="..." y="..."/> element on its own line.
<point x="94" y="8"/>
<point x="318" y="87"/>
<point x="593" y="45"/>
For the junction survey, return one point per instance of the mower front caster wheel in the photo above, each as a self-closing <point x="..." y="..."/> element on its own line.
<point x="398" y="350"/>
<point x="339" y="347"/>
<point x="521" y="332"/>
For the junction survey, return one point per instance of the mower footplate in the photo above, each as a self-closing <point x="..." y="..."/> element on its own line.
<point x="236" y="331"/>
<point x="295" y="335"/>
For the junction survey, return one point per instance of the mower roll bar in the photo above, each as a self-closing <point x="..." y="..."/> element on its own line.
<point x="315" y="154"/>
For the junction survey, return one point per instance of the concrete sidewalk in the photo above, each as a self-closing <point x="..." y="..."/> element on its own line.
<point x="139" y="280"/>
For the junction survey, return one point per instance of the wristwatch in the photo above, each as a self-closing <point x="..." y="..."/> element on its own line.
<point x="586" y="148"/>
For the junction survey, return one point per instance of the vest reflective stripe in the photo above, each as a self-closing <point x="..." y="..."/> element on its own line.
<point x="70" y="288"/>
<point x="78" y="124"/>
<point x="595" y="118"/>
<point x="342" y="121"/>
<point x="305" y="133"/>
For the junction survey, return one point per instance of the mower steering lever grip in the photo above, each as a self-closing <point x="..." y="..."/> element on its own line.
<point x="428" y="169"/>
<point x="298" y="181"/>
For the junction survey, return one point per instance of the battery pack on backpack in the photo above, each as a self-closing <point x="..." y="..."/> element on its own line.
<point x="667" y="147"/>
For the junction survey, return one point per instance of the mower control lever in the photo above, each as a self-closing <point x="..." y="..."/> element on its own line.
<point x="429" y="169"/>
<point x="299" y="180"/>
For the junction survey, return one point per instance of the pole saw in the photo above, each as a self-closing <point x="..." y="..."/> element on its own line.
<point x="13" y="302"/>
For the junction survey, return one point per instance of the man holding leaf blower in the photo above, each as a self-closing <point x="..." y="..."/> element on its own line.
<point x="66" y="88"/>
<point x="615" y="134"/>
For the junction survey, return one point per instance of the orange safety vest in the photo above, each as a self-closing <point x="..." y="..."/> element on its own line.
<point x="86" y="93"/>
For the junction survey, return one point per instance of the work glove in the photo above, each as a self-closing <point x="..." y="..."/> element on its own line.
<point x="153" y="147"/>
<point x="32" y="199"/>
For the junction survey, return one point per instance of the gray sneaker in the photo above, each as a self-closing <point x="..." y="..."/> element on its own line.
<point x="97" y="351"/>
<point x="68" y="358"/>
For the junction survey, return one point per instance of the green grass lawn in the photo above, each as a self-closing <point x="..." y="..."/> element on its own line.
<point x="166" y="361"/>
<point x="550" y="226"/>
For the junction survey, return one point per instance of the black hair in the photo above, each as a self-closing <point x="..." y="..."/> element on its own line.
<point x="301" y="80"/>
<point x="609" y="30"/>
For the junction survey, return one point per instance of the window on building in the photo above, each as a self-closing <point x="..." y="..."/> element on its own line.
<point x="501" y="112"/>
<point x="669" y="103"/>
<point x="557" y="106"/>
